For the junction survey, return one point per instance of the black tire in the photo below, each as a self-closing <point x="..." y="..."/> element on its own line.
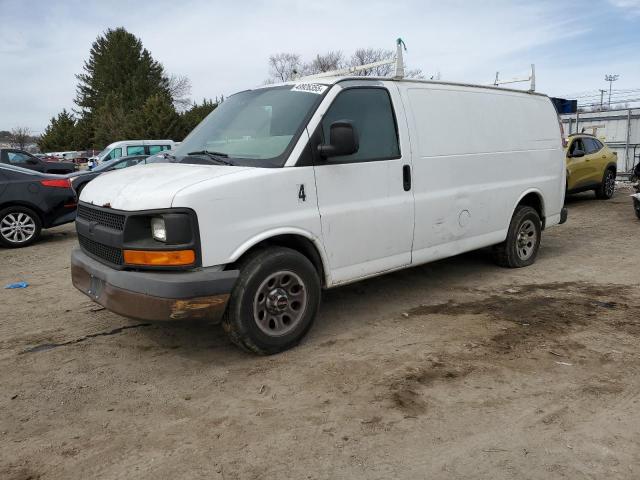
<point x="520" y="249"/>
<point x="636" y="207"/>
<point x="608" y="185"/>
<point x="242" y="319"/>
<point x="27" y="232"/>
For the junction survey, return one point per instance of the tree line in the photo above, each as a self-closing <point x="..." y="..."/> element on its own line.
<point x="123" y="93"/>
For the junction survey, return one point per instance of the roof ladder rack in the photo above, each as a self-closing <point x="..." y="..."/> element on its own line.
<point x="396" y="59"/>
<point x="531" y="78"/>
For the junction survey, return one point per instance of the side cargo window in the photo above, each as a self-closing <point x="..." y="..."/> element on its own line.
<point x="593" y="145"/>
<point x="370" y="111"/>
<point x="135" y="150"/>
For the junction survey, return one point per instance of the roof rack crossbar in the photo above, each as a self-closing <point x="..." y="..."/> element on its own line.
<point x="531" y="78"/>
<point x="396" y="59"/>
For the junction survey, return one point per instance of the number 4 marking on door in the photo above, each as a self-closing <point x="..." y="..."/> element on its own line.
<point x="301" y="195"/>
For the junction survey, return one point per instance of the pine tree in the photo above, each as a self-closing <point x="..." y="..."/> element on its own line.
<point x="118" y="79"/>
<point x="156" y="119"/>
<point x="119" y="65"/>
<point x="60" y="134"/>
<point x="194" y="115"/>
<point x="111" y="122"/>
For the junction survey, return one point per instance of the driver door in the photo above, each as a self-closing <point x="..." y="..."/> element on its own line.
<point x="365" y="203"/>
<point x="577" y="167"/>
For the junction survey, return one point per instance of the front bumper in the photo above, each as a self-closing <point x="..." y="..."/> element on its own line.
<point x="200" y="294"/>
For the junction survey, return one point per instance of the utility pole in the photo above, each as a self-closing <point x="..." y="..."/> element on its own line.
<point x="610" y="79"/>
<point x="602" y="92"/>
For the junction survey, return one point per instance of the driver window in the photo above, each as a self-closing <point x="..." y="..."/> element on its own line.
<point x="370" y="111"/>
<point x="17" y="158"/>
<point x="576" y="145"/>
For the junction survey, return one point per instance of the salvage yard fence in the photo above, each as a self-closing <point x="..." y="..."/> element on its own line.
<point x="619" y="129"/>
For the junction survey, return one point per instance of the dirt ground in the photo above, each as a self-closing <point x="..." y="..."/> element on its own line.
<point x="457" y="369"/>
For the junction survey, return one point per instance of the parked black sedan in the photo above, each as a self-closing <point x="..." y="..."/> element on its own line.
<point x="80" y="179"/>
<point x="20" y="158"/>
<point x="31" y="201"/>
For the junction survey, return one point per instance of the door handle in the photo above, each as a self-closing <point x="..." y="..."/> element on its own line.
<point x="406" y="177"/>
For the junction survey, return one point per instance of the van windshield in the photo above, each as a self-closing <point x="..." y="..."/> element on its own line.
<point x="103" y="152"/>
<point x="253" y="128"/>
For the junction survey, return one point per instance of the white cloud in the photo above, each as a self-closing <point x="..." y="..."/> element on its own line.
<point x="632" y="6"/>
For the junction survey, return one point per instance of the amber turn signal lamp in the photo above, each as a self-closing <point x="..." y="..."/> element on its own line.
<point x="159" y="258"/>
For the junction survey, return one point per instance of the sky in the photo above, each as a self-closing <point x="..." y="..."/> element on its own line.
<point x="223" y="47"/>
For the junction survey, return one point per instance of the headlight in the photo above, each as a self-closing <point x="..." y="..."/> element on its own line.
<point x="158" y="229"/>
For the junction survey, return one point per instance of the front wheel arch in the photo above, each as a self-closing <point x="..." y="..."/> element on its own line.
<point x="299" y="241"/>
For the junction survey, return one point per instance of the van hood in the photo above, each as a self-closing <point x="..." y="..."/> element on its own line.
<point x="146" y="187"/>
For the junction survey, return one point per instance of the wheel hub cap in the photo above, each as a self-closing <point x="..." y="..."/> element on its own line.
<point x="526" y="240"/>
<point x="280" y="303"/>
<point x="17" y="227"/>
<point x="277" y="301"/>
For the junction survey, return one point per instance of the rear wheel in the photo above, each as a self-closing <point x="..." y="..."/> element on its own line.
<point x="274" y="301"/>
<point x="636" y="206"/>
<point x="608" y="186"/>
<point x="520" y="249"/>
<point x="19" y="227"/>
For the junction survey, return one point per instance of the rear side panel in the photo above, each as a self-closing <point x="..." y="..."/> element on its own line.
<point x="476" y="153"/>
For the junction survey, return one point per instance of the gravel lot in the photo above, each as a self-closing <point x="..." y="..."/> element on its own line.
<point x="457" y="369"/>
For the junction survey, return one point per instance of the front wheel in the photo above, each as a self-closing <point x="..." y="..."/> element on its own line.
<point x="608" y="186"/>
<point x="274" y="301"/>
<point x="636" y="206"/>
<point x="19" y="227"/>
<point x="520" y="249"/>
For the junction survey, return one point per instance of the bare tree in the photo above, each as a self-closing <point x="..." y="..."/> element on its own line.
<point x="417" y="74"/>
<point x="20" y="137"/>
<point x="180" y="89"/>
<point x="284" y="67"/>
<point x="332" y="60"/>
<point x="364" y="56"/>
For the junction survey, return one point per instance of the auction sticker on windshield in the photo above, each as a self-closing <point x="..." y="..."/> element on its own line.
<point x="316" y="88"/>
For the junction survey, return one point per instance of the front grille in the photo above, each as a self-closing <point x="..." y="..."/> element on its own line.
<point x="110" y="254"/>
<point x="107" y="219"/>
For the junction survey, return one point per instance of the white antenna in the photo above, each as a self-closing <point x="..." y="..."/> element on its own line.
<point x="531" y="78"/>
<point x="397" y="59"/>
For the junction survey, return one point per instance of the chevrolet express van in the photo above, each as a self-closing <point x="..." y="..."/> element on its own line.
<point x="285" y="190"/>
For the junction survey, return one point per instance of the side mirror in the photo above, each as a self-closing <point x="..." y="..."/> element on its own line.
<point x="343" y="140"/>
<point x="577" y="153"/>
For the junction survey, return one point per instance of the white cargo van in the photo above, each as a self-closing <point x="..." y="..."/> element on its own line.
<point x="125" y="148"/>
<point x="285" y="190"/>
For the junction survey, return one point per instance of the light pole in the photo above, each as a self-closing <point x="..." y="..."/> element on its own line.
<point x="602" y="92"/>
<point x="610" y="79"/>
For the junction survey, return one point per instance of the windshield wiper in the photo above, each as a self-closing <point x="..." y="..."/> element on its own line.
<point x="216" y="156"/>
